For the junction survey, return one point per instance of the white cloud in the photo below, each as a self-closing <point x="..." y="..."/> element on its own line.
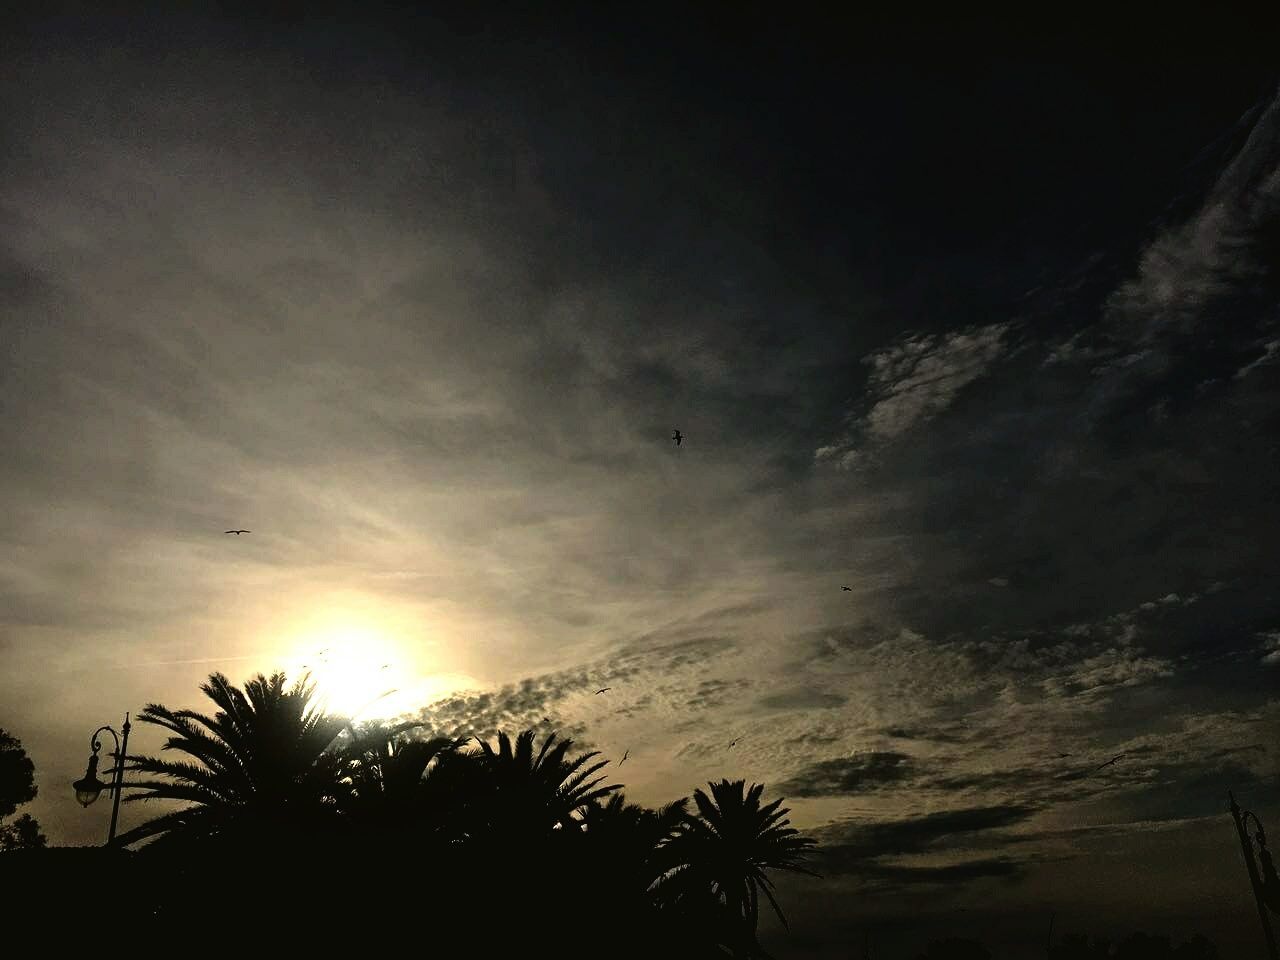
<point x="920" y="376"/>
<point x="913" y="381"/>
<point x="1271" y="648"/>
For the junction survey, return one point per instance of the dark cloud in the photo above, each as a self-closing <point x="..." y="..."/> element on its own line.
<point x="845" y="845"/>
<point x="850" y="775"/>
<point x="918" y="733"/>
<point x="802" y="699"/>
<point x="715" y="693"/>
<point x="893" y="875"/>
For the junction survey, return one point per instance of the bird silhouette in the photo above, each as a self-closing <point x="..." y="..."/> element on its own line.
<point x="847" y="587"/>
<point x="677" y="436"/>
<point x="734" y="742"/>
<point x="237" y="532"/>
<point x="1108" y="763"/>
<point x="602" y="690"/>
<point x="546" y="719"/>
<point x="625" y="754"/>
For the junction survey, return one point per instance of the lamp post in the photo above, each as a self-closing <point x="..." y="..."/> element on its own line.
<point x="1266" y="889"/>
<point x="89" y="787"/>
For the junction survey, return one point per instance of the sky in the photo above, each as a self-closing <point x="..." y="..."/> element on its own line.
<point x="982" y="326"/>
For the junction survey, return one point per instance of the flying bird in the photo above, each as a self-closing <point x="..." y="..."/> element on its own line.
<point x="625" y="754"/>
<point x="1108" y="763"/>
<point x="602" y="690"/>
<point x="734" y="742"/>
<point x="847" y="587"/>
<point x="237" y="532"/>
<point x="677" y="436"/>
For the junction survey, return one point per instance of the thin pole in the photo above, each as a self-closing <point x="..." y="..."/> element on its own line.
<point x="118" y="781"/>
<point x="1246" y="845"/>
<point x="1048" y="944"/>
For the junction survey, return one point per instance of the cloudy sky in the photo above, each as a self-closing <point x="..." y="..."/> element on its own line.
<point x="989" y="338"/>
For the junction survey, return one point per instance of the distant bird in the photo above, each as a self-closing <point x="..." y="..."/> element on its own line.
<point x="625" y="754"/>
<point x="1108" y="763"/>
<point x="384" y="666"/>
<point x="237" y="532"/>
<point x="546" y="719"/>
<point x="602" y="690"/>
<point x="677" y="436"/>
<point x="847" y="587"/>
<point x="734" y="742"/>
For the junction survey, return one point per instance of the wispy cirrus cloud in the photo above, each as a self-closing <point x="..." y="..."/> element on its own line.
<point x="913" y="381"/>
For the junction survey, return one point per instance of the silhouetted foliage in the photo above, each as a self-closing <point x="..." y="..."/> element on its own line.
<point x="17" y="786"/>
<point x="22" y="834"/>
<point x="954" y="948"/>
<point x="263" y="766"/>
<point x="723" y="854"/>
<point x="17" y="774"/>
<point x="307" y="824"/>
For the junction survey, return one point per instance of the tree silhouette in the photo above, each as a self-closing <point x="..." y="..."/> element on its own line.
<point x="393" y="784"/>
<point x="304" y="825"/>
<point x="530" y="795"/>
<point x="264" y="764"/>
<point x="723" y="853"/>
<point x="633" y="845"/>
<point x="17" y="786"/>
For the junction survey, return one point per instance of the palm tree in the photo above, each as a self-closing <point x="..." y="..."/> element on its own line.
<point x="631" y="842"/>
<point x="533" y="795"/>
<point x="263" y="762"/>
<point x="401" y="784"/>
<point x="723" y="854"/>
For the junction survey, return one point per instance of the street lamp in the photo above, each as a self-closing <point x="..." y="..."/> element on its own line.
<point x="89" y="786"/>
<point x="1266" y="889"/>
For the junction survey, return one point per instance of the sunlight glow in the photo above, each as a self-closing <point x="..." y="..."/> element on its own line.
<point x="362" y="673"/>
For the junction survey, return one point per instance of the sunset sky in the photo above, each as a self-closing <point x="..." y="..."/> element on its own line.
<point x="990" y="337"/>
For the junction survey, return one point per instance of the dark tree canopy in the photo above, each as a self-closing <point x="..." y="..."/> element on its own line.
<point x="22" y="834"/>
<point x="17" y="774"/>
<point x="289" y="812"/>
<point x="17" y="786"/>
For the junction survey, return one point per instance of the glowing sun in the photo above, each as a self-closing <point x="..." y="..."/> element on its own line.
<point x="362" y="674"/>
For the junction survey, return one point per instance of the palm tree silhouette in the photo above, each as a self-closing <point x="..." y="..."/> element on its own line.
<point x="632" y="843"/>
<point x="281" y="801"/>
<point x="538" y="793"/>
<point x="390" y="778"/>
<point x="723" y="853"/>
<point x="264" y="760"/>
